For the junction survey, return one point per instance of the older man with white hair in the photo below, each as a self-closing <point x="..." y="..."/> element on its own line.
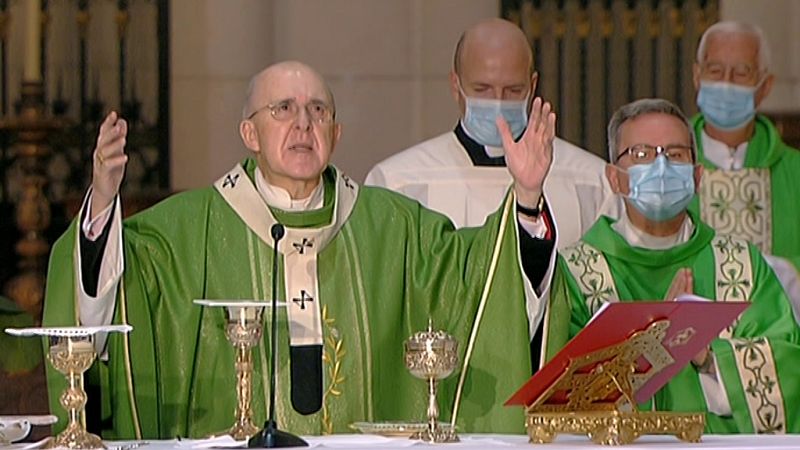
<point x="362" y="269"/>
<point x="751" y="181"/>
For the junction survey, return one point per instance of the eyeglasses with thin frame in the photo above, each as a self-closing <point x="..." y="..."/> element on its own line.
<point x="288" y="109"/>
<point x="646" y="153"/>
<point x="741" y="73"/>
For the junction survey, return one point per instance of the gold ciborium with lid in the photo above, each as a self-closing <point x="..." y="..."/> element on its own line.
<point x="432" y="356"/>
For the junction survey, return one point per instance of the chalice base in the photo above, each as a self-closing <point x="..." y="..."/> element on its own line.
<point x="243" y="430"/>
<point x="436" y="436"/>
<point x="75" y="437"/>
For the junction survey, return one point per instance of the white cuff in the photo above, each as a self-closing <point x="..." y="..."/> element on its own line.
<point x="789" y="278"/>
<point x="534" y="226"/>
<point x="93" y="228"/>
<point x="714" y="391"/>
<point x="99" y="310"/>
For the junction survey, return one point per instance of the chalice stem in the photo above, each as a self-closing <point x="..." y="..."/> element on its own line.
<point x="74" y="408"/>
<point x="433" y="407"/>
<point x="243" y="427"/>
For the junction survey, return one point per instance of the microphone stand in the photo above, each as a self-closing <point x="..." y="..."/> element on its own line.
<point x="270" y="436"/>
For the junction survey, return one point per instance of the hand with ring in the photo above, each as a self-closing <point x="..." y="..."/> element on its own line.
<point x="109" y="162"/>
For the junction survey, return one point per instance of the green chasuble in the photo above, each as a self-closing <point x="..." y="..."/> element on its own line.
<point x="757" y="357"/>
<point x="386" y="266"/>
<point x="759" y="202"/>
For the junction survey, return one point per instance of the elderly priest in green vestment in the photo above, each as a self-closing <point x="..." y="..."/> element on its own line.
<point x="747" y="382"/>
<point x="364" y="268"/>
<point x="751" y="182"/>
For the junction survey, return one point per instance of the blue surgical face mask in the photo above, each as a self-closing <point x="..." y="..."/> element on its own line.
<point x="727" y="106"/>
<point x="661" y="190"/>
<point x="480" y="115"/>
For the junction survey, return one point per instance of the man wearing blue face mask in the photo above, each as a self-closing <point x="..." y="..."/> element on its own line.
<point x="751" y="182"/>
<point x="462" y="173"/>
<point x="746" y="381"/>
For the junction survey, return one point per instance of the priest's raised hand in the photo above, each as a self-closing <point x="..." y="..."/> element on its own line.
<point x="529" y="159"/>
<point x="109" y="162"/>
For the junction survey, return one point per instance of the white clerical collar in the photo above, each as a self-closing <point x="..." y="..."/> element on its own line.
<point x="494" y="152"/>
<point x="723" y="156"/>
<point x="638" y="238"/>
<point x="279" y="198"/>
<point x="491" y="152"/>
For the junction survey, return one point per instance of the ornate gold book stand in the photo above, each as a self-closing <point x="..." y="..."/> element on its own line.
<point x="594" y="395"/>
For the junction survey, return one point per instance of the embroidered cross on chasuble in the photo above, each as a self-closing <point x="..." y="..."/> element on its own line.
<point x="300" y="249"/>
<point x="373" y="268"/>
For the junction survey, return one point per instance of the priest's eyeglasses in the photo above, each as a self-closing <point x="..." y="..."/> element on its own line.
<point x="646" y="153"/>
<point x="741" y="73"/>
<point x="285" y="110"/>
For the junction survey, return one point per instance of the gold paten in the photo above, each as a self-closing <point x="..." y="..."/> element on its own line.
<point x="599" y="402"/>
<point x="432" y="356"/>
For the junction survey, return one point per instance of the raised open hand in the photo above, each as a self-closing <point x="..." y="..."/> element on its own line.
<point x="529" y="159"/>
<point x="109" y="162"/>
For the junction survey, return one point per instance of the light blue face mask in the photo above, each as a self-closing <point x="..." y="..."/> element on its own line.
<point x="727" y="106"/>
<point x="661" y="190"/>
<point x="480" y="115"/>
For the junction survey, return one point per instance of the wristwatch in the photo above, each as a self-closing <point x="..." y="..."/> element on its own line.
<point x="532" y="212"/>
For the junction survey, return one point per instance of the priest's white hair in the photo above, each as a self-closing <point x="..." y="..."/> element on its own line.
<point x="639" y="108"/>
<point x="736" y="27"/>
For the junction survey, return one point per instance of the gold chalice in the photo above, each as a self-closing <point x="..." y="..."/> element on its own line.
<point x="71" y="352"/>
<point x="72" y="356"/>
<point x="432" y="356"/>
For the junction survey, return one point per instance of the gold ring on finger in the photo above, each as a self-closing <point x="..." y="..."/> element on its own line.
<point x="100" y="158"/>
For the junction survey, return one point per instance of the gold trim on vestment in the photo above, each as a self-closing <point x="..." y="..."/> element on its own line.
<point x="762" y="390"/>
<point x="137" y="428"/>
<point x="733" y="276"/>
<point x="589" y="268"/>
<point x="739" y="203"/>
<point x="332" y="355"/>
<point x="481" y="306"/>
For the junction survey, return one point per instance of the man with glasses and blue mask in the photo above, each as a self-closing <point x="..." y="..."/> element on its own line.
<point x="657" y="249"/>
<point x="362" y="269"/>
<point x="462" y="173"/>
<point x="751" y="181"/>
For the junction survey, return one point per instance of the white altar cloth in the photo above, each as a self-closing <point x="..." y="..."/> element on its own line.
<point x="483" y="441"/>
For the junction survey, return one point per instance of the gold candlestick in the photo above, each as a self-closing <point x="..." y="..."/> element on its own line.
<point x="432" y="356"/>
<point x="244" y="331"/>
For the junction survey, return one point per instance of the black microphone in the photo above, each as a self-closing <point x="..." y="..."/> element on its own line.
<point x="270" y="436"/>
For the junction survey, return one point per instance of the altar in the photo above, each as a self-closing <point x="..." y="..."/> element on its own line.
<point x="480" y="441"/>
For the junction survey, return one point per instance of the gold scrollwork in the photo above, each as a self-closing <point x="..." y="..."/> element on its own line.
<point x="614" y="427"/>
<point x="682" y="337"/>
<point x="595" y="398"/>
<point x="332" y="354"/>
